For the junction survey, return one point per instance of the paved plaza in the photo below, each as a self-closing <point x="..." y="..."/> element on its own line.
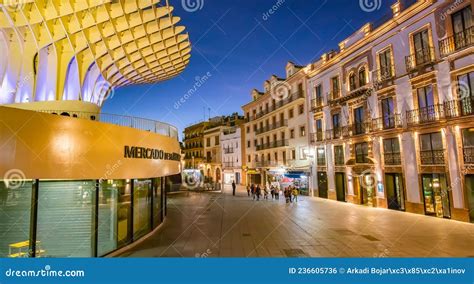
<point x="220" y="225"/>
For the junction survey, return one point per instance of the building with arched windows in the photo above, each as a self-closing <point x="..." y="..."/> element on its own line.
<point x="76" y="182"/>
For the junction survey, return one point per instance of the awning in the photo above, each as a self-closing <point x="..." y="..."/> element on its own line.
<point x="296" y="174"/>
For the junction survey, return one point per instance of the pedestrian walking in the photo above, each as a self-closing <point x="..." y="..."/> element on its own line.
<point x="248" y="190"/>
<point x="272" y="192"/>
<point x="233" y="188"/>
<point x="295" y="194"/>
<point x="265" y="192"/>
<point x="253" y="189"/>
<point x="258" y="192"/>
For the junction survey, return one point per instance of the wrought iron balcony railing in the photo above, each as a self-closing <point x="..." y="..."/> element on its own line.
<point x="420" y="58"/>
<point x="271" y="145"/>
<point x="387" y="122"/>
<point x="229" y="165"/>
<point x="392" y="159"/>
<point x="271" y="127"/>
<point x="317" y="103"/>
<point x="317" y="137"/>
<point x="382" y="75"/>
<point x="278" y="104"/>
<point x="469" y="155"/>
<point x="339" y="160"/>
<point x="457" y="42"/>
<point x="228" y="150"/>
<point x="432" y="157"/>
<point x="428" y="114"/>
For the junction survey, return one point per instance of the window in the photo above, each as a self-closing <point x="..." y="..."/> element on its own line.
<point x="248" y="144"/>
<point x="290" y="113"/>
<point x="431" y="149"/>
<point x="425" y="97"/>
<point x="293" y="154"/>
<point x="335" y="87"/>
<point x="468" y="145"/>
<point x="255" y="128"/>
<point x="362" y="77"/>
<point x="318" y="92"/>
<point x="385" y="65"/>
<point x="421" y="46"/>
<point x="352" y="82"/>
<point x="141" y="205"/>
<point x="15" y="209"/>
<point x="208" y="142"/>
<point x="321" y="156"/>
<point x="388" y="113"/>
<point x="391" y="149"/>
<point x="336" y="121"/>
<point x="292" y="133"/>
<point x="462" y="22"/>
<point x="249" y="158"/>
<point x="255" y="143"/>
<point x="248" y="129"/>
<point x="359" y="116"/>
<point x="276" y="156"/>
<point x="216" y="141"/>
<point x="339" y="155"/>
<point x="362" y="153"/>
<point x="301" y="109"/>
<point x="65" y="218"/>
<point x="465" y="93"/>
<point x="302" y="131"/>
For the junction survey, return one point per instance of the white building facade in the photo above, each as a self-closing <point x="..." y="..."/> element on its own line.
<point x="231" y="143"/>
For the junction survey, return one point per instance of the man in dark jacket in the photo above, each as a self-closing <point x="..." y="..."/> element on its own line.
<point x="233" y="188"/>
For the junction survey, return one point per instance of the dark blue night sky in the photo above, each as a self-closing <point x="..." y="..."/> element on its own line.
<point x="241" y="48"/>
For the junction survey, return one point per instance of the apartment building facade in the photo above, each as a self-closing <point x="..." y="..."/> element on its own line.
<point x="193" y="145"/>
<point x="276" y="129"/>
<point x="392" y="113"/>
<point x="231" y="143"/>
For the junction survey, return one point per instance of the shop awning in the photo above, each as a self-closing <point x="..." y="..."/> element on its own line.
<point x="296" y="174"/>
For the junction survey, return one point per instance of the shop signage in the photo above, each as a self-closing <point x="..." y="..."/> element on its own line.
<point x="133" y="152"/>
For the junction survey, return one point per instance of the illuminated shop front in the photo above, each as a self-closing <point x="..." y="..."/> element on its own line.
<point x="76" y="182"/>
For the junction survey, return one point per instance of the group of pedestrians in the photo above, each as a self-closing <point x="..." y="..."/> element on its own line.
<point x="291" y="193"/>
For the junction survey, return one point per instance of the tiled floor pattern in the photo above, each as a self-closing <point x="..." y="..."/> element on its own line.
<point x="221" y="225"/>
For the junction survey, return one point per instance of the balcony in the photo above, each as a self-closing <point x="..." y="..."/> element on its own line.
<point x="317" y="104"/>
<point x="360" y="128"/>
<point x="339" y="160"/>
<point x="271" y="145"/>
<point x="426" y="115"/>
<point x="265" y="164"/>
<point x="278" y="105"/>
<point x="387" y="122"/>
<point x="321" y="161"/>
<point x="212" y="160"/>
<point x="229" y="165"/>
<point x="338" y="132"/>
<point x="271" y="127"/>
<point x="193" y="146"/>
<point x="469" y="155"/>
<point x="432" y="157"/>
<point x="419" y="59"/>
<point x="382" y="76"/>
<point x="228" y="150"/>
<point x="317" y="137"/>
<point x="459" y="108"/>
<point x="392" y="159"/>
<point x="457" y="42"/>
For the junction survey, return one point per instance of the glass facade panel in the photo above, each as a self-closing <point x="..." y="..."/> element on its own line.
<point x="15" y="204"/>
<point x="108" y="216"/>
<point x="157" y="208"/>
<point x="141" y="207"/>
<point x="124" y="213"/>
<point x="65" y="210"/>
